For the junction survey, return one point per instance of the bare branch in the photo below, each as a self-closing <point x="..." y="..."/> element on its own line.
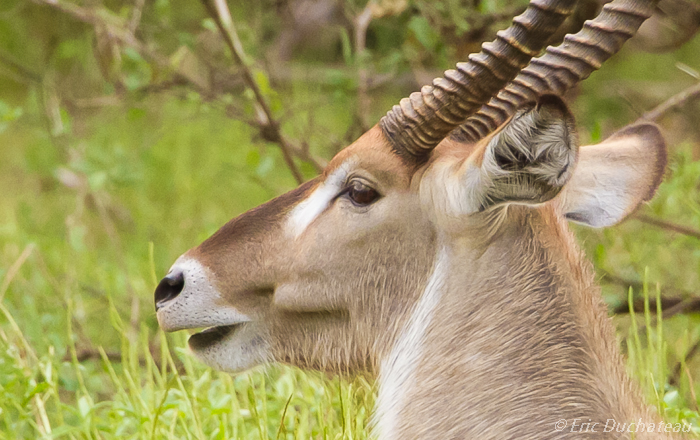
<point x="122" y="32"/>
<point x="52" y="107"/>
<point x="269" y="126"/>
<point x="673" y="295"/>
<point x="92" y="354"/>
<point x="87" y="354"/>
<point x="136" y="16"/>
<point x="19" y="69"/>
<point x="669" y="226"/>
<point x="14" y="269"/>
<point x="694" y="400"/>
<point x="361" y="23"/>
<point x="671" y="103"/>
<point x="303" y="153"/>
<point x="676" y="372"/>
<point x="95" y="102"/>
<point x="687" y="302"/>
<point x="118" y="30"/>
<point x="671" y="306"/>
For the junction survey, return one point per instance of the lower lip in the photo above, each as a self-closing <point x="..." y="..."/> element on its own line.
<point x="211" y="336"/>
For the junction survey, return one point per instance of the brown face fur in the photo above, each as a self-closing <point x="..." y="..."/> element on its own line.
<point x="462" y="269"/>
<point x="321" y="282"/>
<point x="329" y="299"/>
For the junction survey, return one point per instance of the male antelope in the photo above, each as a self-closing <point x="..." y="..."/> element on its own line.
<point x="442" y="265"/>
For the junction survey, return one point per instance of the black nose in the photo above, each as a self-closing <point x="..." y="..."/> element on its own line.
<point x="169" y="288"/>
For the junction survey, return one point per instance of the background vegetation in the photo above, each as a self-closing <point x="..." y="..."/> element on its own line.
<point x="128" y="134"/>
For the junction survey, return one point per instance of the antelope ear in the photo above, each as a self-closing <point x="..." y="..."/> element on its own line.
<point x="614" y="177"/>
<point x="532" y="157"/>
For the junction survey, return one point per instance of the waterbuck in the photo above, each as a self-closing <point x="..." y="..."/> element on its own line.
<point x="434" y="252"/>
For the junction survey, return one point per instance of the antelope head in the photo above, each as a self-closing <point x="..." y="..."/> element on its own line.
<point x="327" y="275"/>
<point x="393" y="251"/>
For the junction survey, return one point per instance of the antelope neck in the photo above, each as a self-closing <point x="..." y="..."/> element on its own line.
<point x="507" y="340"/>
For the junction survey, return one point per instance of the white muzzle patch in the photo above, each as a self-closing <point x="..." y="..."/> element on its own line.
<point x="199" y="304"/>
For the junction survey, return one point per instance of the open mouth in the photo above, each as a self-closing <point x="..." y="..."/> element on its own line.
<point x="210" y="336"/>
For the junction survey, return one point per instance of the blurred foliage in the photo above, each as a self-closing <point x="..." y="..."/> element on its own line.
<point x="130" y="125"/>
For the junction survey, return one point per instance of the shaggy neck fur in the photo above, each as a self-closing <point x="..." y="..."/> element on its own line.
<point x="514" y="337"/>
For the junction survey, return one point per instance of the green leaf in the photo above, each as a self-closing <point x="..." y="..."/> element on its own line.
<point x="84" y="406"/>
<point x="346" y="46"/>
<point x="76" y="237"/>
<point x="97" y="180"/>
<point x="70" y="49"/>
<point x="135" y="113"/>
<point x="252" y="159"/>
<point x="38" y="389"/>
<point x="131" y="54"/>
<point x="210" y="25"/>
<point x="596" y="132"/>
<point x="672" y="398"/>
<point x="267" y="164"/>
<point x="263" y="82"/>
<point x="426" y="36"/>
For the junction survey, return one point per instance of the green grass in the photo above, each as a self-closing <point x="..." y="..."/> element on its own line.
<point x="647" y="352"/>
<point x="136" y="396"/>
<point x="90" y="220"/>
<point x="85" y="231"/>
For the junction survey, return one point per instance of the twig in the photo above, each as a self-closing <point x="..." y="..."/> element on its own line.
<point x="88" y="354"/>
<point x="12" y="271"/>
<point x="685" y="230"/>
<point x="679" y="307"/>
<point x="674" y="296"/>
<point x="117" y="29"/>
<point x="360" y="24"/>
<point x="136" y="16"/>
<point x="692" y="389"/>
<point x="94" y="102"/>
<point x="52" y="107"/>
<point x="113" y="236"/>
<point x="671" y="306"/>
<point x="301" y="152"/>
<point x="21" y="70"/>
<point x="688" y="302"/>
<point x="676" y="373"/>
<point x="687" y="305"/>
<point x="284" y="413"/>
<point x="159" y="87"/>
<point x="674" y="101"/>
<point x="269" y="126"/>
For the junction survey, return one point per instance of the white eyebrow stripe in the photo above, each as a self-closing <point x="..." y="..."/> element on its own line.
<point x="307" y="211"/>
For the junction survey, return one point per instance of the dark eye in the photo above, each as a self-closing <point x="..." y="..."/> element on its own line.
<point x="361" y="194"/>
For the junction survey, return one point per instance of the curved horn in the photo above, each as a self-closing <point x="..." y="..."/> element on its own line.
<point x="561" y="67"/>
<point x="422" y="120"/>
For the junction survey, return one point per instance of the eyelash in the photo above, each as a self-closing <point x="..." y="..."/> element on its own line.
<point x="355" y="190"/>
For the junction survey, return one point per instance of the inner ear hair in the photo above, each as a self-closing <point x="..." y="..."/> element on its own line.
<point x="533" y="155"/>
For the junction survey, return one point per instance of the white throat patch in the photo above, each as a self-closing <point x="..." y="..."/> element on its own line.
<point x="307" y="211"/>
<point x="397" y="369"/>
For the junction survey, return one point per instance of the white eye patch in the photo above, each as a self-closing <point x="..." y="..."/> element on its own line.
<point x="316" y="203"/>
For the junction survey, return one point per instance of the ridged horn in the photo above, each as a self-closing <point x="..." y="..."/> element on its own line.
<point x="561" y="67"/>
<point x="425" y="118"/>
